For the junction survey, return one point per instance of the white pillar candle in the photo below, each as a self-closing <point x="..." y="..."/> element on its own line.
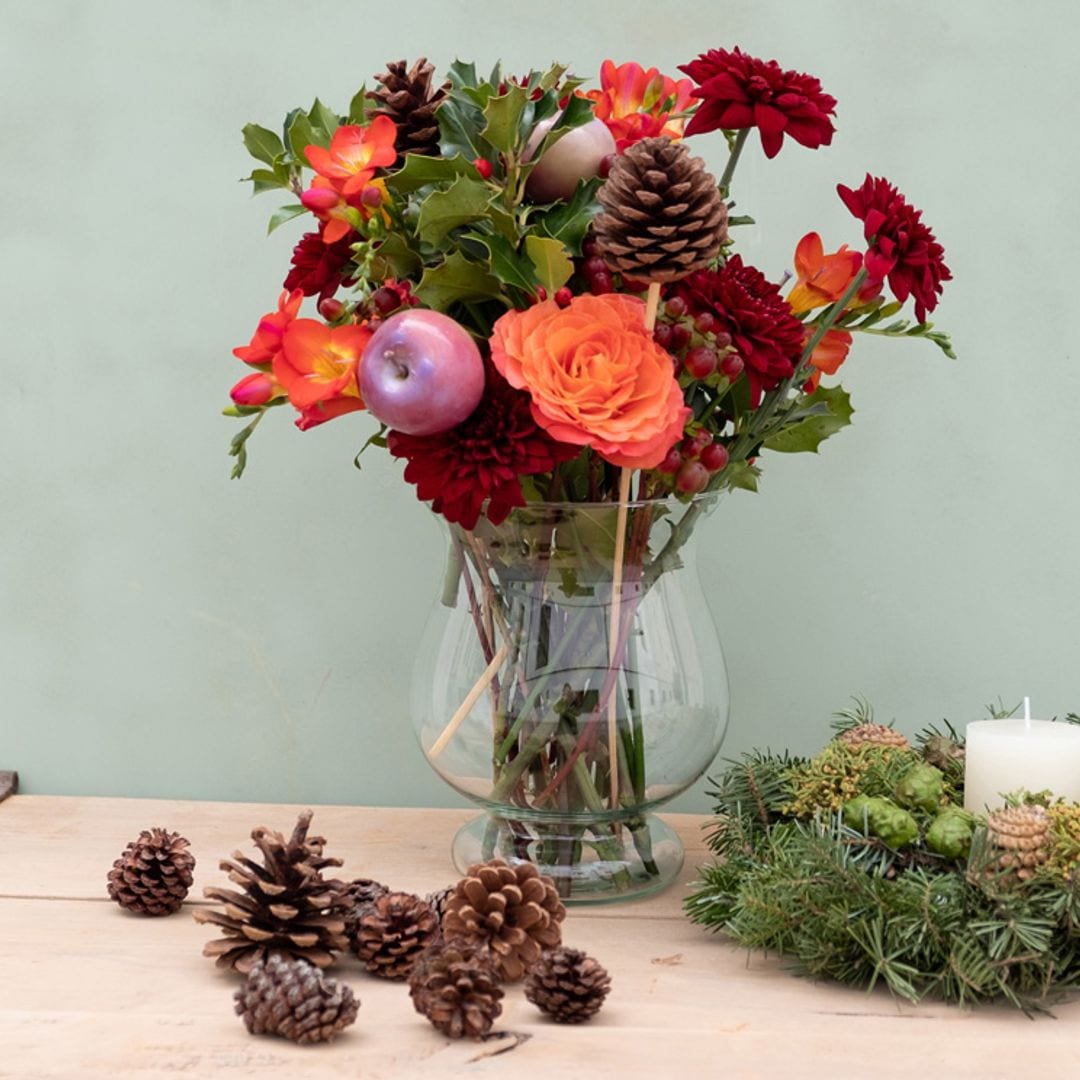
<point x="1006" y="755"/>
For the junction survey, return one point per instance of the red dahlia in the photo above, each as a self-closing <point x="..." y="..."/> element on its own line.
<point x="749" y="307"/>
<point x="902" y="248"/>
<point x="318" y="267"/>
<point x="738" y="91"/>
<point x="482" y="458"/>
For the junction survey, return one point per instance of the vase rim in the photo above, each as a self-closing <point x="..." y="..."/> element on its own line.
<point x="703" y="498"/>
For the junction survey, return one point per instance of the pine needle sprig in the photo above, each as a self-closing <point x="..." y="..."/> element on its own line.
<point x="748" y="797"/>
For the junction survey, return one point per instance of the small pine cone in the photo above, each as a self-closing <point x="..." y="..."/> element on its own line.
<point x="456" y="986"/>
<point x="567" y="985"/>
<point x="153" y="875"/>
<point x="392" y="931"/>
<point x="944" y="753"/>
<point x="409" y="99"/>
<point x="360" y="893"/>
<point x="1022" y="836"/>
<point x="855" y="738"/>
<point x="663" y="214"/>
<point x="292" y="998"/>
<point x="437" y="900"/>
<point x="286" y="904"/>
<point x="514" y="910"/>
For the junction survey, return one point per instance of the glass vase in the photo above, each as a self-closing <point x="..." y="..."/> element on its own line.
<point x="570" y="680"/>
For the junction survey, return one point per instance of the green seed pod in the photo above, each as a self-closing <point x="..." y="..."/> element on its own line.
<point x="950" y="833"/>
<point x="922" y="786"/>
<point x="895" y="826"/>
<point x="856" y="814"/>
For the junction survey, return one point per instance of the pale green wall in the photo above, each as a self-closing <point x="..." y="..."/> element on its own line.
<point x="168" y="632"/>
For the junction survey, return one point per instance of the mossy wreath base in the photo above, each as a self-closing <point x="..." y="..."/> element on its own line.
<point x="859" y="865"/>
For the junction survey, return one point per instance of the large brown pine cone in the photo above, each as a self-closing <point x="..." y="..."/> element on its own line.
<point x="872" y="735"/>
<point x="291" y="998"/>
<point x="153" y="874"/>
<point x="568" y="985"/>
<point x="360" y="893"/>
<point x="456" y="986"/>
<point x="410" y="100"/>
<point x="663" y="214"/>
<point x="286" y="906"/>
<point x="392" y="931"/>
<point x="514" y="910"/>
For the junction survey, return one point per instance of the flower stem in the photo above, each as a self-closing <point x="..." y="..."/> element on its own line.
<point x="732" y="161"/>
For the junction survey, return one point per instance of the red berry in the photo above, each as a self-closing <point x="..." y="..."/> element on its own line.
<point x="672" y="462"/>
<point x="714" y="456"/>
<point x="731" y="366"/>
<point x="692" y="445"/>
<point x="705" y="323"/>
<point x="723" y="339"/>
<point x="676" y="307"/>
<point x="605" y="166"/>
<point x="680" y="337"/>
<point x="590" y="247"/>
<point x="691" y="478"/>
<point x="541" y="293"/>
<point x="594" y="265"/>
<point x="601" y="282"/>
<point x="331" y="309"/>
<point x="563" y="296"/>
<point x="700" y="362"/>
<point x="662" y="334"/>
<point x="483" y="167"/>
<point x="634" y="285"/>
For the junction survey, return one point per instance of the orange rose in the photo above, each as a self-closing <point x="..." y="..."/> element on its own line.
<point x="595" y="375"/>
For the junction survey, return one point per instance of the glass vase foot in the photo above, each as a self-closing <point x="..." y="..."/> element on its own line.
<point x="589" y="863"/>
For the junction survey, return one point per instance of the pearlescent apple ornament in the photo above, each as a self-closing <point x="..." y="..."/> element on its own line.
<point x="421" y="373"/>
<point x="576" y="156"/>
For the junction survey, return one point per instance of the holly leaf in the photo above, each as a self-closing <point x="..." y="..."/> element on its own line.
<point x="420" y="171"/>
<point x="269" y="179"/>
<point x="503" y="115"/>
<point x="262" y="144"/>
<point x="740" y="474"/>
<point x="510" y="267"/>
<point x="456" y="279"/>
<point x="569" y="221"/>
<point x="459" y="121"/>
<point x="829" y="410"/>
<point x="553" y="266"/>
<point x="441" y="212"/>
<point x="358" y="107"/>
<point x="300" y="134"/>
<point x="285" y="213"/>
<point x="324" y="121"/>
<point x="394" y="259"/>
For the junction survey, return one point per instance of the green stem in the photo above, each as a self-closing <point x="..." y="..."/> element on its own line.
<point x="829" y="318"/>
<point x="732" y="161"/>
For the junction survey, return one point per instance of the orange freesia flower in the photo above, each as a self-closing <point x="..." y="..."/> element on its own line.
<point x="355" y="153"/>
<point x="637" y="104"/>
<point x="266" y="341"/>
<point x="829" y="354"/>
<point x="823" y="279"/>
<point x="595" y="376"/>
<point x="339" y="213"/>
<point x="318" y="366"/>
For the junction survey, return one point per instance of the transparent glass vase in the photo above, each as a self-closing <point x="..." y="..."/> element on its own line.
<point x="570" y="680"/>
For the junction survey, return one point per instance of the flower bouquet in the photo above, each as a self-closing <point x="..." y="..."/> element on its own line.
<point x="531" y="287"/>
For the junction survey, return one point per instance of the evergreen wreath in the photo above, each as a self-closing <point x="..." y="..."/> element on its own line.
<point x="860" y="865"/>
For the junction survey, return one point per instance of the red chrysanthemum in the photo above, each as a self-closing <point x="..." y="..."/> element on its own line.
<point x="902" y="249"/>
<point x="482" y="459"/>
<point x="750" y="308"/>
<point x="318" y="267"/>
<point x="738" y="91"/>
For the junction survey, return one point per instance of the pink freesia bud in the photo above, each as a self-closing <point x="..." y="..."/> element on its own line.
<point x="320" y="199"/>
<point x="255" y="389"/>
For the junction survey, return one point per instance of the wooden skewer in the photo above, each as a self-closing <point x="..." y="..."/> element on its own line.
<point x="471" y="698"/>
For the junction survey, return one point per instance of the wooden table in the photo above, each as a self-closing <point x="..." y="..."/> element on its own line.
<point x="88" y="991"/>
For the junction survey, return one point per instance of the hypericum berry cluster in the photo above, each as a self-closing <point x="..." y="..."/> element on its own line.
<point x="691" y="463"/>
<point x="598" y="276"/>
<point x="702" y="348"/>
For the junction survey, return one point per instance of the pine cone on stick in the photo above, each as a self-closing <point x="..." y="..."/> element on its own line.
<point x="153" y="874"/>
<point x="567" y="985"/>
<point x="514" y="910"/>
<point x="286" y="906"/>
<point x="663" y="215"/>
<point x="392" y="931"/>
<point x="293" y="999"/>
<point x="456" y="986"/>
<point x="410" y="100"/>
<point x="872" y="735"/>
